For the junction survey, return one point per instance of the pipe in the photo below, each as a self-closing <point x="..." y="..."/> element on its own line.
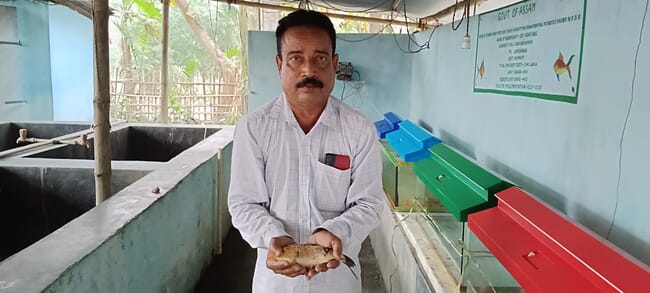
<point x="82" y="140"/>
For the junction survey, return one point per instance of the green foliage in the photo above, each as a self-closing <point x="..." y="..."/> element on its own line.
<point x="149" y="8"/>
<point x="190" y="68"/>
<point x="232" y="52"/>
<point x="351" y="26"/>
<point x="140" y="22"/>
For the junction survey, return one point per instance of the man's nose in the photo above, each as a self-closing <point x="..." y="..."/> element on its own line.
<point x="309" y="69"/>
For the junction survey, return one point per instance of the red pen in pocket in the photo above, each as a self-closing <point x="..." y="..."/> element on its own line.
<point x="341" y="162"/>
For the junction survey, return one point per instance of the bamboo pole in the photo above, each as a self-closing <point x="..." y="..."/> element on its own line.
<point x="164" y="99"/>
<point x="101" y="102"/>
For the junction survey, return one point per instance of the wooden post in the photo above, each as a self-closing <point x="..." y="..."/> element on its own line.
<point x="101" y="102"/>
<point x="164" y="101"/>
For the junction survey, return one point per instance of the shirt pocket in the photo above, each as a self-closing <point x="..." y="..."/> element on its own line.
<point x="331" y="188"/>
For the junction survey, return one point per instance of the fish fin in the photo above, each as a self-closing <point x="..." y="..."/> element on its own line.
<point x="558" y="77"/>
<point x="353" y="273"/>
<point x="348" y="261"/>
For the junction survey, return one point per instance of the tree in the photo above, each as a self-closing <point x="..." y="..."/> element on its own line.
<point x="218" y="57"/>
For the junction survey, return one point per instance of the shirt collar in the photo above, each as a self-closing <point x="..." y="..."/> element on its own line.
<point x="327" y="118"/>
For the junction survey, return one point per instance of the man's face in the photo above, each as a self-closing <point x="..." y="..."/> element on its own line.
<point x="307" y="66"/>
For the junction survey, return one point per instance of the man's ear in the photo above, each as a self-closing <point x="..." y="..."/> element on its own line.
<point x="278" y="61"/>
<point x="335" y="61"/>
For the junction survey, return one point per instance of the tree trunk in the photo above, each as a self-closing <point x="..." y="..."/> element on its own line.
<point x="126" y="62"/>
<point x="217" y="56"/>
<point x="102" y="105"/>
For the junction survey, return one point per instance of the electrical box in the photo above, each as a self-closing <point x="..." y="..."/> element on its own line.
<point x="344" y="71"/>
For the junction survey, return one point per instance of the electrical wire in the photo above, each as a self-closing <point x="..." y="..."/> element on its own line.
<point x="424" y="46"/>
<point x="369" y="37"/>
<point x="408" y="33"/>
<point x="365" y="38"/>
<point x="453" y="17"/>
<point x="419" y="47"/>
<point x="627" y="117"/>
<point x="411" y="40"/>
<point x="467" y="20"/>
<point x="391" y="18"/>
<point x="328" y="5"/>
<point x="474" y="8"/>
<point x="356" y="91"/>
<point x="358" y="74"/>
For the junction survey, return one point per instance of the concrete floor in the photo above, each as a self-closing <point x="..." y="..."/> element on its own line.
<point x="232" y="271"/>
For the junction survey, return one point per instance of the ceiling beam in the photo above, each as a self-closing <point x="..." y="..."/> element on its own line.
<point x="83" y="8"/>
<point x="420" y="24"/>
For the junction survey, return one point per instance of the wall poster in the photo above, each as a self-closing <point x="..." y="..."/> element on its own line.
<point x="531" y="48"/>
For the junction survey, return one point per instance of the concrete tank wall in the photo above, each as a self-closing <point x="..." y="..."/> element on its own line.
<point x="156" y="235"/>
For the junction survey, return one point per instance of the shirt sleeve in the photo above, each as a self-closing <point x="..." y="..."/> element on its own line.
<point x="365" y="195"/>
<point x="248" y="199"/>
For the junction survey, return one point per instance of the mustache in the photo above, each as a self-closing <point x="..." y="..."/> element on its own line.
<point x="310" y="81"/>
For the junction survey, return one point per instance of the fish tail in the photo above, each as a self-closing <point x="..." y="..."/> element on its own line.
<point x="570" y="59"/>
<point x="350" y="264"/>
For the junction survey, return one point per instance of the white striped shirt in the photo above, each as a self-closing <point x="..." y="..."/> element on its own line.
<point x="279" y="186"/>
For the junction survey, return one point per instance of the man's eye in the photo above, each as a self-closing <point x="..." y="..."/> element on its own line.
<point x="294" y="58"/>
<point x="322" y="58"/>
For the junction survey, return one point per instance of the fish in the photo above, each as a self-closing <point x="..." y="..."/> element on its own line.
<point x="481" y="69"/>
<point x="310" y="255"/>
<point x="560" y="67"/>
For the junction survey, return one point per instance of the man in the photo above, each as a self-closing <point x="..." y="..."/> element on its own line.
<point x="282" y="191"/>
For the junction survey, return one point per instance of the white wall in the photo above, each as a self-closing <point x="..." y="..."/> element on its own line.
<point x="10" y="91"/>
<point x="27" y="67"/>
<point x="568" y="155"/>
<point x="71" y="52"/>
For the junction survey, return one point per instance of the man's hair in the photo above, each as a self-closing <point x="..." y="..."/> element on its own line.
<point x="305" y="18"/>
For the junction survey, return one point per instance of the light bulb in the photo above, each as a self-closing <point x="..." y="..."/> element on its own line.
<point x="466" y="42"/>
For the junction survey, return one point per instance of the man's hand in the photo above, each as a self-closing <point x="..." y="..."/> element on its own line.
<point x="326" y="239"/>
<point x="282" y="267"/>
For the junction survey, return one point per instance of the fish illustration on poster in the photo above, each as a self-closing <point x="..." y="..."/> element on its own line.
<point x="560" y="67"/>
<point x="481" y="70"/>
<point x="531" y="48"/>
